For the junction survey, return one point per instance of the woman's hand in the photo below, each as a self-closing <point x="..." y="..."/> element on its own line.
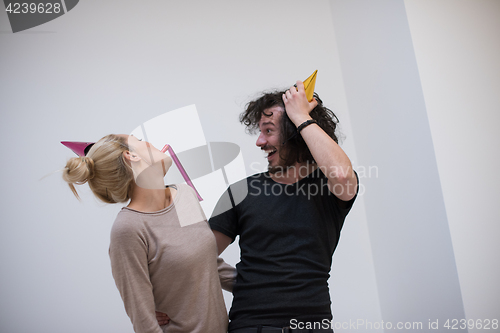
<point x="162" y="318"/>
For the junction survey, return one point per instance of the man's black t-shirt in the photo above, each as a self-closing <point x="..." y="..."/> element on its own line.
<point x="287" y="237"/>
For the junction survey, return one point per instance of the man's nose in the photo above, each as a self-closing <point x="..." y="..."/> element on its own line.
<point x="261" y="140"/>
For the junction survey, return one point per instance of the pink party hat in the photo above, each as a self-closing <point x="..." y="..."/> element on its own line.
<point x="79" y="148"/>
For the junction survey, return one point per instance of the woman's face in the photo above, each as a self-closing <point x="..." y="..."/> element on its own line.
<point x="149" y="154"/>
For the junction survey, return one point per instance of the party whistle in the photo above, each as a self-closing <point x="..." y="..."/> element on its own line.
<point x="181" y="168"/>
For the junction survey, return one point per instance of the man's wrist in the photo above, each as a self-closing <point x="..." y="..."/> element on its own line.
<point x="305" y="124"/>
<point x="300" y="120"/>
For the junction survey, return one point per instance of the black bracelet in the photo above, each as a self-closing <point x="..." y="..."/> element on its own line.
<point x="306" y="123"/>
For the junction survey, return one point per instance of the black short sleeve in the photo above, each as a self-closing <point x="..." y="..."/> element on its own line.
<point x="345" y="206"/>
<point x="225" y="216"/>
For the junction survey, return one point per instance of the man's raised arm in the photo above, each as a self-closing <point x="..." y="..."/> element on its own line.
<point x="330" y="158"/>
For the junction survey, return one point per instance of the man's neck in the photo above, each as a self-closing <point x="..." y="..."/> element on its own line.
<point x="294" y="173"/>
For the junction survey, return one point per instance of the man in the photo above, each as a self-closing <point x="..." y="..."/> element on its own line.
<point x="289" y="218"/>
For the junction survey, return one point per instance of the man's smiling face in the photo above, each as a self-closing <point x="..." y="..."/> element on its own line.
<point x="269" y="139"/>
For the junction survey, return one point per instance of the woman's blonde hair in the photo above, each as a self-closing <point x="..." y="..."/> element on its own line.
<point x="109" y="176"/>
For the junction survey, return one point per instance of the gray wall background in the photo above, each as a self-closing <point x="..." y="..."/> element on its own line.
<point x="414" y="84"/>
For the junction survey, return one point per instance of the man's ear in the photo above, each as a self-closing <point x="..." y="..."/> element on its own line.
<point x="130" y="156"/>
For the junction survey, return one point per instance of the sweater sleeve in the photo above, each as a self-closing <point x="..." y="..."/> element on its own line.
<point x="227" y="274"/>
<point x="129" y="265"/>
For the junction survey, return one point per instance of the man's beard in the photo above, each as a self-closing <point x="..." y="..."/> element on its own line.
<point x="278" y="170"/>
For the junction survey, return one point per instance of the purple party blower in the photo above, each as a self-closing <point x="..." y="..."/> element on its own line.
<point x="181" y="168"/>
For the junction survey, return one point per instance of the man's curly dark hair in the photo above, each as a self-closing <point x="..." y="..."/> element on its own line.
<point x="293" y="148"/>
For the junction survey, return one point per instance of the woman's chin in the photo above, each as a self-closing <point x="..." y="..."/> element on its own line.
<point x="152" y="177"/>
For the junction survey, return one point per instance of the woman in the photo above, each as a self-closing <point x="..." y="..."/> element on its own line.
<point x="163" y="254"/>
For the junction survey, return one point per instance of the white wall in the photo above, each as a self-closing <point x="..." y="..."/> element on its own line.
<point x="457" y="46"/>
<point x="410" y="240"/>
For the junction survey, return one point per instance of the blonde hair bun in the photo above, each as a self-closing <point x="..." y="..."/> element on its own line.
<point x="79" y="170"/>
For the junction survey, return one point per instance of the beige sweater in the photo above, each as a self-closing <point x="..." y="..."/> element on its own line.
<point x="167" y="261"/>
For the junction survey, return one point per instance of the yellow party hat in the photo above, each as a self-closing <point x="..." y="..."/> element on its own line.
<point x="309" y="85"/>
